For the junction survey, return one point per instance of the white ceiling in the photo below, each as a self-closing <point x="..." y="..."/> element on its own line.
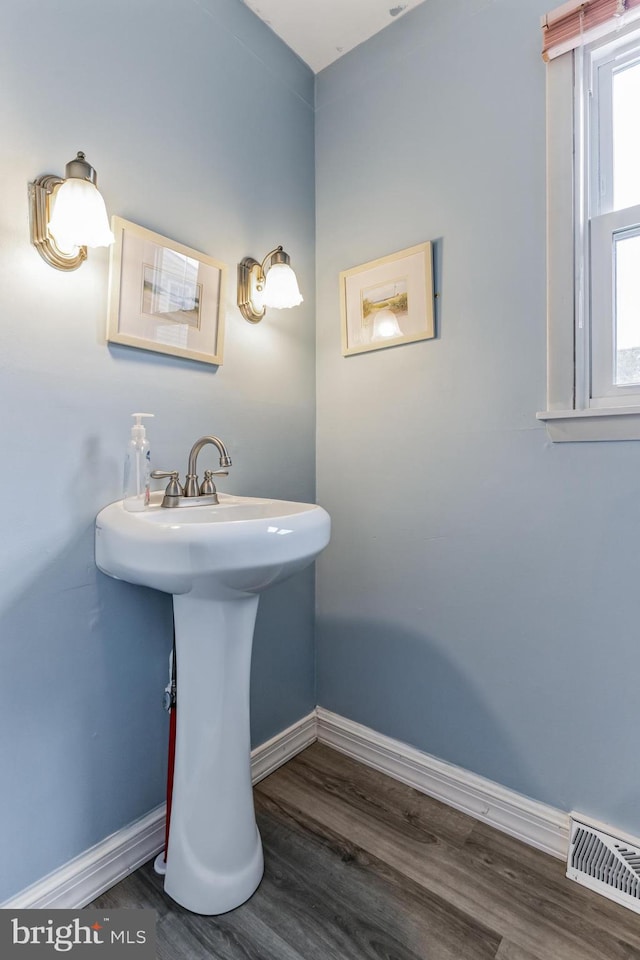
<point x="320" y="31"/>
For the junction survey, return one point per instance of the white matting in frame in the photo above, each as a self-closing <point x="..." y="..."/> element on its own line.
<point x="388" y="301"/>
<point x="164" y="296"/>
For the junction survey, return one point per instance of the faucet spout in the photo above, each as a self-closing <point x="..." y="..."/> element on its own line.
<point x="225" y="459"/>
<point x="191" y="486"/>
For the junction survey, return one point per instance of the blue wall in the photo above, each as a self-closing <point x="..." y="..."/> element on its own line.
<point x="479" y="597"/>
<point x="200" y="124"/>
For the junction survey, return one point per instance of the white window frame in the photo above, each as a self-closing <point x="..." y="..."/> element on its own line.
<point x="606" y="230"/>
<point x="580" y="315"/>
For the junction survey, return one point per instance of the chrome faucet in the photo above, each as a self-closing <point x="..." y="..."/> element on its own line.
<point x="191" y="488"/>
<point x="191" y="494"/>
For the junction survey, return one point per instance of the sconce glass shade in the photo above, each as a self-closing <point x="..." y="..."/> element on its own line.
<point x="385" y="326"/>
<point x="79" y="216"/>
<point x="68" y="215"/>
<point x="281" y="287"/>
<point x="261" y="285"/>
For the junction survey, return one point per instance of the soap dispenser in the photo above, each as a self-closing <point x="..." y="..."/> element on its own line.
<point x="137" y="467"/>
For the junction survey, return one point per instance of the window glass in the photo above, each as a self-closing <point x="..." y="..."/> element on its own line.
<point x="627" y="307"/>
<point x="626" y="137"/>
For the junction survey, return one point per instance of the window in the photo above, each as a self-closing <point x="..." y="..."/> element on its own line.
<point x="594" y="223"/>
<point x="613" y="213"/>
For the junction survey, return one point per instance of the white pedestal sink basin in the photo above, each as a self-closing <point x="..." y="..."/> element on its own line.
<point x="215" y="560"/>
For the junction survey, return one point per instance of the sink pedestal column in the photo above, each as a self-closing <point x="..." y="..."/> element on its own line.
<point x="214" y="859"/>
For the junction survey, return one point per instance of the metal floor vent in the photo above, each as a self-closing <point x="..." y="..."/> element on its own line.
<point x="608" y="864"/>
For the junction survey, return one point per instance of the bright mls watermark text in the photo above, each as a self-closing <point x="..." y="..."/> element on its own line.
<point x="27" y="934"/>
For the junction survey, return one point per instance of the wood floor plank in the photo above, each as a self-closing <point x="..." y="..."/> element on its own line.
<point x="238" y="935"/>
<point x="523" y="917"/>
<point x="388" y="801"/>
<point x="137" y="891"/>
<point x="382" y="912"/>
<point x="321" y="897"/>
<point x="361" y="867"/>
<point x="532" y="869"/>
<point x="509" y="951"/>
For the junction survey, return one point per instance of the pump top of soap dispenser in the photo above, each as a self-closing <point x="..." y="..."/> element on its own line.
<point x="138" y="431"/>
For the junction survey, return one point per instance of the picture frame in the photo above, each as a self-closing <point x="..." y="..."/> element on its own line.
<point x="389" y="301"/>
<point x="164" y="296"/>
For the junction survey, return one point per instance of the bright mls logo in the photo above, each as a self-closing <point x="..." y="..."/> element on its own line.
<point x="38" y="933"/>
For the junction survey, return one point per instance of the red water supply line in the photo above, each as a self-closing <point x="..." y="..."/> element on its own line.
<point x="171" y="691"/>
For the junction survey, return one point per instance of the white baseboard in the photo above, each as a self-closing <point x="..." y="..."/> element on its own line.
<point x="85" y="877"/>
<point x="270" y="755"/>
<point x="528" y="820"/>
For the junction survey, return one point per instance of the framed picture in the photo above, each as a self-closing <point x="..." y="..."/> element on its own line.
<point x="164" y="296"/>
<point x="387" y="302"/>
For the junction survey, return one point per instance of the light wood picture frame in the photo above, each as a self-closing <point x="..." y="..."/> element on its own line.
<point x="387" y="302"/>
<point x="164" y="296"/>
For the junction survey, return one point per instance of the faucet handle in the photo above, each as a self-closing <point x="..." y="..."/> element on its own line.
<point x="208" y="487"/>
<point x="174" y="487"/>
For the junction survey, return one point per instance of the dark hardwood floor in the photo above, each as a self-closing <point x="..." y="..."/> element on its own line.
<point x="360" y="867"/>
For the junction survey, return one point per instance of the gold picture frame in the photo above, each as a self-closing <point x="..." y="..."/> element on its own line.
<point x="389" y="301"/>
<point x="164" y="296"/>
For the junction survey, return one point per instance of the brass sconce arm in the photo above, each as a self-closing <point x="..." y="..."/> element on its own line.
<point x="40" y="196"/>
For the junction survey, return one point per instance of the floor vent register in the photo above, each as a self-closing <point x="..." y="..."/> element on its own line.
<point x="604" y="862"/>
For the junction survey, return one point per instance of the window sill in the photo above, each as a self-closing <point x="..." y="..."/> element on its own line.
<point x="607" y="423"/>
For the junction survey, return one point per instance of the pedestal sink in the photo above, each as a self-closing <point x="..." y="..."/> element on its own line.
<point x="215" y="560"/>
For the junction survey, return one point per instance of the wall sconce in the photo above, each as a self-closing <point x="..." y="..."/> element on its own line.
<point x="69" y="215"/>
<point x="260" y="287"/>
